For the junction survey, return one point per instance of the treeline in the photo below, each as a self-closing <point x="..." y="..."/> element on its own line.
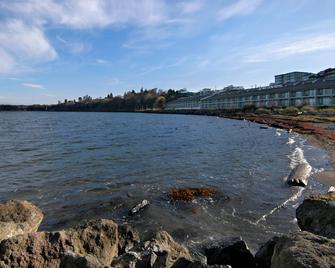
<point x="143" y="100"/>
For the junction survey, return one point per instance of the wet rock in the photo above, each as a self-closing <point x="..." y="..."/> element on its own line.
<point x="265" y="252"/>
<point x="98" y="238"/>
<point x="167" y="250"/>
<point x="145" y="203"/>
<point x="74" y="260"/>
<point x="300" y="175"/>
<point x="18" y="217"/>
<point x="317" y="214"/>
<point x="128" y="238"/>
<point x="303" y="249"/>
<point x="230" y="251"/>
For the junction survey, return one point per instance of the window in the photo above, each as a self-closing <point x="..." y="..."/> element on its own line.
<point x="306" y="92"/>
<point x="319" y="92"/>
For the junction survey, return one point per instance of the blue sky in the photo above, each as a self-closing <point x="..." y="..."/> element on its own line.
<point x="56" y="49"/>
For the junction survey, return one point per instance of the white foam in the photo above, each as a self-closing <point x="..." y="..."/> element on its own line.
<point x="294" y="197"/>
<point x="297" y="157"/>
<point x="290" y="141"/>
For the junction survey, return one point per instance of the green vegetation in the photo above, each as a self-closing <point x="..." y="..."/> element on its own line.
<point x="144" y="100"/>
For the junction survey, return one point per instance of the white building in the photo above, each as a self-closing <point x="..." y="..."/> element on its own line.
<point x="318" y="91"/>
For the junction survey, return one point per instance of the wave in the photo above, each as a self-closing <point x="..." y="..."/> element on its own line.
<point x="296" y="157"/>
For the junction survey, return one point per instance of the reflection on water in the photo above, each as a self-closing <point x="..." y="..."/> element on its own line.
<point x="78" y="166"/>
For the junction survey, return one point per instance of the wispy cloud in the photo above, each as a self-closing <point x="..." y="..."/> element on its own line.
<point x="189" y="7"/>
<point x="238" y="8"/>
<point x="73" y="47"/>
<point x="102" y="61"/>
<point x="288" y="47"/>
<point x="20" y="42"/>
<point x="86" y="14"/>
<point x="176" y="63"/>
<point x="35" y="86"/>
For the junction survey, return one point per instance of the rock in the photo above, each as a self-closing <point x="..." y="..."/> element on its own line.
<point x="18" y="217"/>
<point x="128" y="238"/>
<point x="317" y="215"/>
<point x="139" y="207"/>
<point x="230" y="251"/>
<point x="264" y="254"/>
<point x="300" y="175"/>
<point x="98" y="238"/>
<point x="74" y="260"/>
<point x="167" y="250"/>
<point x="303" y="249"/>
<point x="183" y="263"/>
<point x="33" y="250"/>
<point x="128" y="260"/>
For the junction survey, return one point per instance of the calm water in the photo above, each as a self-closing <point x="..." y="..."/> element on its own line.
<point x="78" y="166"/>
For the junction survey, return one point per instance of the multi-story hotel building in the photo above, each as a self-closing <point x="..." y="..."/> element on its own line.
<point x="317" y="91"/>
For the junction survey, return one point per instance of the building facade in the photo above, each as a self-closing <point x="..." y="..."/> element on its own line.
<point x="292" y="77"/>
<point x="316" y="92"/>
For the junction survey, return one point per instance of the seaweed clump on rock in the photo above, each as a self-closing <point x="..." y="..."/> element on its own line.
<point x="188" y="194"/>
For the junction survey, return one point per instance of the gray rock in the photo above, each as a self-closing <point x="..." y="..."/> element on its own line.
<point x="18" y="217"/>
<point x="139" y="207"/>
<point x="230" y="251"/>
<point x="98" y="238"/>
<point x="75" y="260"/>
<point x="299" y="175"/>
<point x="128" y="238"/>
<point x="265" y="252"/>
<point x="303" y="250"/>
<point x="128" y="260"/>
<point x="317" y="215"/>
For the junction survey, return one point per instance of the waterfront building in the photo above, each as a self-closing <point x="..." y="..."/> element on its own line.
<point x="292" y="77"/>
<point x="317" y="91"/>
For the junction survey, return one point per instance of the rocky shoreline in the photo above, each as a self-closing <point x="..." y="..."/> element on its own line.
<point x="103" y="243"/>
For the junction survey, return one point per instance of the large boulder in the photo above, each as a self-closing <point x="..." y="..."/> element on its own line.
<point x="18" y="217"/>
<point x="229" y="251"/>
<point x="163" y="249"/>
<point x="265" y="252"/>
<point x="299" y="175"/>
<point x="303" y="250"/>
<point x="97" y="238"/>
<point x="317" y="214"/>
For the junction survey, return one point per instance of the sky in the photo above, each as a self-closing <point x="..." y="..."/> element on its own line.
<point x="53" y="50"/>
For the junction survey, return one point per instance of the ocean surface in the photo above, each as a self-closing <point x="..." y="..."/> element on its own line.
<point x="78" y="166"/>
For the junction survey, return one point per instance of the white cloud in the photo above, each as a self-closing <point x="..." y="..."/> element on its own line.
<point x="35" y="86"/>
<point x="7" y="63"/>
<point x="86" y="14"/>
<point x="190" y="7"/>
<point x="25" y="42"/>
<point x="238" y="8"/>
<point x="102" y="61"/>
<point x="20" y="43"/>
<point x="288" y="47"/>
